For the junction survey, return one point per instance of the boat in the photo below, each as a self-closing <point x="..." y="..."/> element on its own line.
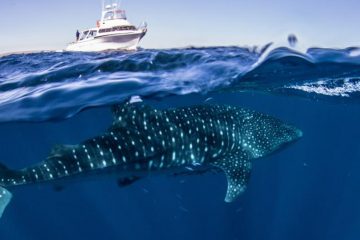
<point x="112" y="32"/>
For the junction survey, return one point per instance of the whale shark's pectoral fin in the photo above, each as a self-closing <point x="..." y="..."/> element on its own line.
<point x="5" y="198"/>
<point x="237" y="171"/>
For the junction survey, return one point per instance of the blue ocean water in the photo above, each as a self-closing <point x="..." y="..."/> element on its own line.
<point x="307" y="191"/>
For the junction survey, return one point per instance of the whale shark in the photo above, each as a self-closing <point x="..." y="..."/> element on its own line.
<point x="143" y="140"/>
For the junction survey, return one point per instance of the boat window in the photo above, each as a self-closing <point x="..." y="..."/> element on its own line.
<point x="117" y="28"/>
<point x="109" y="15"/>
<point x="83" y="35"/>
<point x="104" y="30"/>
<point x="118" y="14"/>
<point x="92" y="34"/>
<point x="124" y="28"/>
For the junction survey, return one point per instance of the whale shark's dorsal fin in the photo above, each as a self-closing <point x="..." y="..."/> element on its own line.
<point x="58" y="150"/>
<point x="237" y="169"/>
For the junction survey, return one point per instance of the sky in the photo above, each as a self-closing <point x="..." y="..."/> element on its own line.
<point x="49" y="25"/>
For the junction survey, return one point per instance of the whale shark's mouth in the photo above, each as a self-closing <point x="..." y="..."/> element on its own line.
<point x="300" y="133"/>
<point x="296" y="135"/>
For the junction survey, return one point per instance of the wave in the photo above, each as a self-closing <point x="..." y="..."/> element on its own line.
<point x="57" y="85"/>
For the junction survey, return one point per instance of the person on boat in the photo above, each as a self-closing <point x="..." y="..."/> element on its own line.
<point x="77" y="35"/>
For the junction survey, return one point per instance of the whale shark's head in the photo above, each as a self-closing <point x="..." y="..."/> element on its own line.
<point x="263" y="134"/>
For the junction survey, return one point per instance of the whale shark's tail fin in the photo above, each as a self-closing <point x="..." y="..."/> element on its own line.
<point x="5" y="198"/>
<point x="5" y="195"/>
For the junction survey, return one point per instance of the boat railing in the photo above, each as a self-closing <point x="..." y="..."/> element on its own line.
<point x="143" y="26"/>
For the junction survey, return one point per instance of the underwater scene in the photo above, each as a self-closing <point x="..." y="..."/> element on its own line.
<point x="195" y="143"/>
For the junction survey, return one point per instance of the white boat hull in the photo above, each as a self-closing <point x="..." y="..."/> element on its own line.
<point x="129" y="41"/>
